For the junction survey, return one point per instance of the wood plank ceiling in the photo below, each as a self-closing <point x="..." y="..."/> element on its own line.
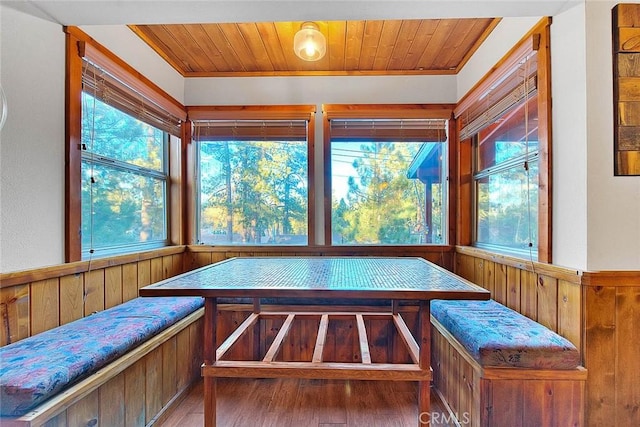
<point x="379" y="47"/>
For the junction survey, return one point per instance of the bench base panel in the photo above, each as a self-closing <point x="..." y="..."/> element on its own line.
<point x="479" y="396"/>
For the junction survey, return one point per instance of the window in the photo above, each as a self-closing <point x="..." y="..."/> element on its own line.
<point x="388" y="180"/>
<point x="506" y="179"/>
<point x="252" y="181"/>
<point x="504" y="123"/>
<point x="124" y="179"/>
<point x="121" y="132"/>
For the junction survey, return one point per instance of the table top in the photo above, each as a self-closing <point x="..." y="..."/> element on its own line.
<point x="320" y="277"/>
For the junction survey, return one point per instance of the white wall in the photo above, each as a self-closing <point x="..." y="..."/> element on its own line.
<point x="613" y="204"/>
<point x="32" y="144"/>
<point x="569" y="146"/>
<point x="320" y="90"/>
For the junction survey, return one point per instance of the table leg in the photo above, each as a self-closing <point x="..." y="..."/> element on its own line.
<point x="209" y="357"/>
<point x="424" y="392"/>
<point x="210" y="401"/>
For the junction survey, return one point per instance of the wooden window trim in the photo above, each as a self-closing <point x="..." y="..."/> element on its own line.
<point x="537" y="38"/>
<point x="254" y="112"/>
<point x="79" y="44"/>
<point x="380" y="111"/>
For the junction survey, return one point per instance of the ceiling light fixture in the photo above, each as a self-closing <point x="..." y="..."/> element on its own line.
<point x="309" y="43"/>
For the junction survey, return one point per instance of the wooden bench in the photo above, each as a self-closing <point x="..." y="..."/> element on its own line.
<point x="495" y="367"/>
<point x="145" y="352"/>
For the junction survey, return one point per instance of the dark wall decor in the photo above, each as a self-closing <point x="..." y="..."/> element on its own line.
<point x="626" y="88"/>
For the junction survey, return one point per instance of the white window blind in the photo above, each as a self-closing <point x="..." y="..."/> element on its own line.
<point x="249" y="130"/>
<point x="389" y="130"/>
<point x="501" y="93"/>
<point x="104" y="86"/>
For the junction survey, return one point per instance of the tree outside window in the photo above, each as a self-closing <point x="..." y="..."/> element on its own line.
<point x="252" y="191"/>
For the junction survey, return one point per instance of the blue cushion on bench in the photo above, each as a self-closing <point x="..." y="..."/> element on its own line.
<point x="38" y="367"/>
<point x="495" y="335"/>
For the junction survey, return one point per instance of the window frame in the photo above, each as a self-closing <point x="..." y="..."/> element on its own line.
<point x="253" y="112"/>
<point x="79" y="45"/>
<point x="159" y="175"/>
<point x="538" y="39"/>
<point x="386" y="111"/>
<point x="493" y="171"/>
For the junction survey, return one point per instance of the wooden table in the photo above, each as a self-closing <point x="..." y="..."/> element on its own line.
<point x="342" y="278"/>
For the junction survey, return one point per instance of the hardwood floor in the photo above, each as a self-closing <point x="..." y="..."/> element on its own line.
<point x="322" y="403"/>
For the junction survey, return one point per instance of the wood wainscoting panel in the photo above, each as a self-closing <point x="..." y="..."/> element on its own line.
<point x="599" y="355"/>
<point x="626" y="363"/>
<point x="45" y="296"/>
<point x="153" y="383"/>
<point x="129" y="277"/>
<point x="547" y="304"/>
<point x="612" y="344"/>
<point x="529" y="294"/>
<point x="513" y="288"/>
<point x="184" y="371"/>
<point x="156" y="270"/>
<point x="112" y="403"/>
<point x="135" y="394"/>
<point x="86" y="412"/>
<point x="465" y="266"/>
<point x="93" y="291"/>
<point x="569" y="312"/>
<point x="71" y="298"/>
<point x="144" y="273"/>
<point x="501" y="283"/>
<point x="112" y="286"/>
<point x="169" y="373"/>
